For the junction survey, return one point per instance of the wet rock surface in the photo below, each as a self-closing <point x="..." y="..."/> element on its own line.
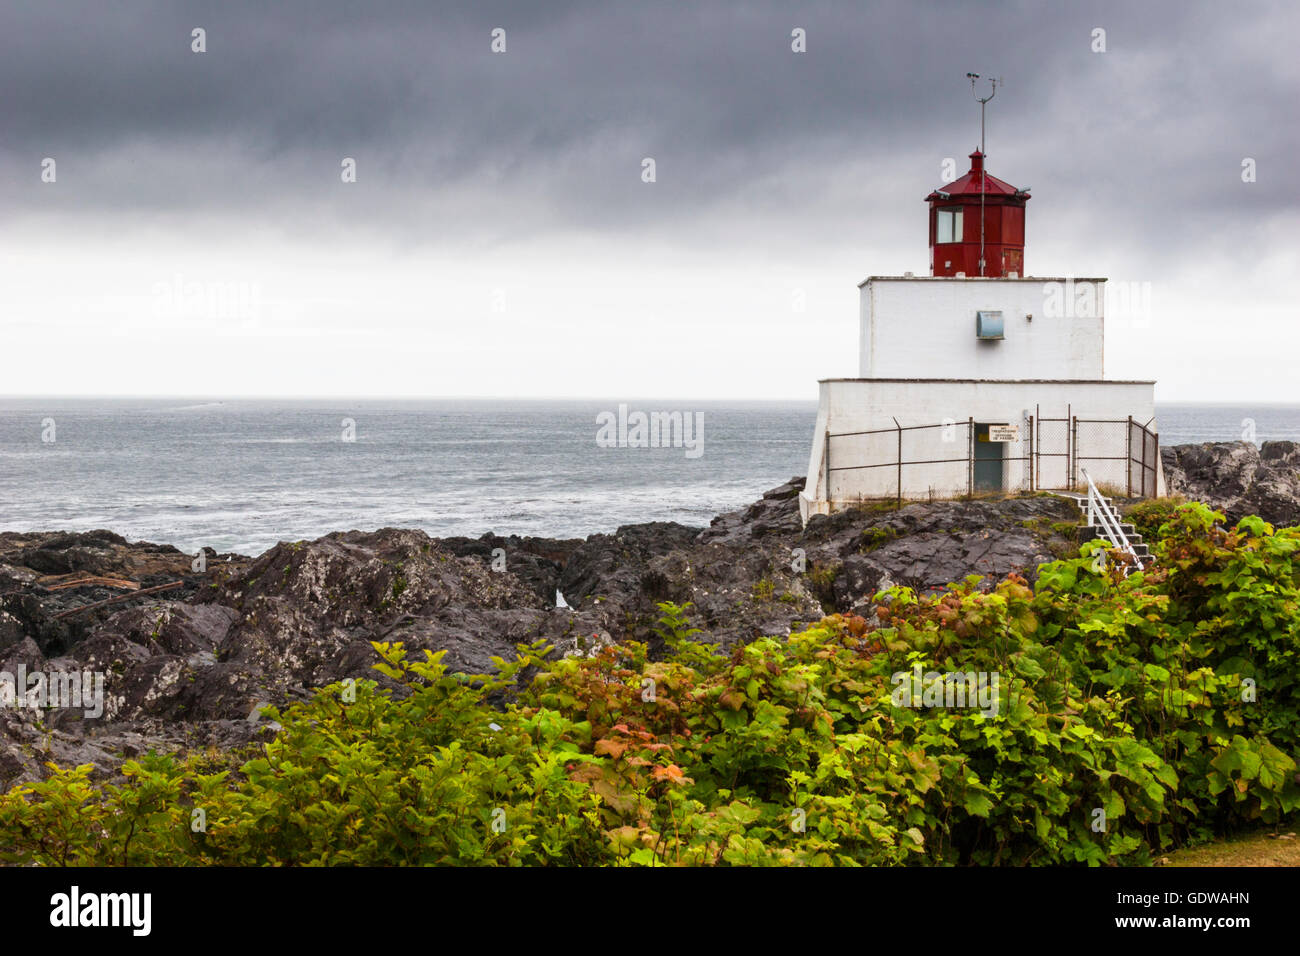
<point x="188" y="667"/>
<point x="1238" y="478"/>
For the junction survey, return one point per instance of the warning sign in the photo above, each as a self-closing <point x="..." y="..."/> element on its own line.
<point x="1004" y="433"/>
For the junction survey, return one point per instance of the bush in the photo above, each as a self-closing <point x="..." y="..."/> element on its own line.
<point x="1149" y="514"/>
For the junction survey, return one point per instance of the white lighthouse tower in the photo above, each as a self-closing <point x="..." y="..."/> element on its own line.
<point x="977" y="378"/>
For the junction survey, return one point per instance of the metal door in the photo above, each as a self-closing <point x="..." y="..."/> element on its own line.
<point x="988" y="460"/>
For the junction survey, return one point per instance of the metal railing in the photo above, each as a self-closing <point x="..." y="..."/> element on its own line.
<point x="1100" y="514"/>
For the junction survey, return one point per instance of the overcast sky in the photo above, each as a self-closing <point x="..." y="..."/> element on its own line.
<point x="499" y="239"/>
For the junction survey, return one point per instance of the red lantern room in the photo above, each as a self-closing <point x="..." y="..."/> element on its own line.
<point x="977" y="217"/>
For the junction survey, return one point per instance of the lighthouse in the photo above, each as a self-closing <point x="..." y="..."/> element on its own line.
<point x="979" y="379"/>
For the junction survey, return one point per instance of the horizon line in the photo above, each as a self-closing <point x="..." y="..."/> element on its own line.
<point x="518" y="398"/>
<point x="407" y="398"/>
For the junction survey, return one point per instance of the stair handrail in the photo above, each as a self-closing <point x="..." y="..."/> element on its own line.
<point x="1109" y="521"/>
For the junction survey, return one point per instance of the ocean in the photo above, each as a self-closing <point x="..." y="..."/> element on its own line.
<point x="240" y="475"/>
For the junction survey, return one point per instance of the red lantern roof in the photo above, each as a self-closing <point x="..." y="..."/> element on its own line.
<point x="970" y="184"/>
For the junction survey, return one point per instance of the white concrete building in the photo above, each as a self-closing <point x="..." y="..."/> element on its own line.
<point x="975" y="384"/>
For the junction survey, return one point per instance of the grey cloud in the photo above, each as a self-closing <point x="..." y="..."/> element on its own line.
<point x="453" y="141"/>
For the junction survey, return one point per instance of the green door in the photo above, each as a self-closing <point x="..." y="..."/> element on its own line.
<point x="988" y="460"/>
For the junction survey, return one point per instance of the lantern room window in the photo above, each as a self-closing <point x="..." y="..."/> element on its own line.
<point x="947" y="225"/>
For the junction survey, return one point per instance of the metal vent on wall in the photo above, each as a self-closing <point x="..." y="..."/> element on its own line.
<point x="988" y="325"/>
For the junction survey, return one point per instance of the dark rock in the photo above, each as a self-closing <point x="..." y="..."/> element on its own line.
<point x="606" y="564"/>
<point x="1238" y="479"/>
<point x="777" y="512"/>
<point x="11" y="630"/>
<point x="172" y="627"/>
<point x="24" y="654"/>
<point x="537" y="562"/>
<point x="925" y="546"/>
<point x="27" y="561"/>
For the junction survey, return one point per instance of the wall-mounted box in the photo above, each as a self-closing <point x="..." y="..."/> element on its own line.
<point x="988" y="325"/>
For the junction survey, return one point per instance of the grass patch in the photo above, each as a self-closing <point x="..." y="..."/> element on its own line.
<point x="821" y="581"/>
<point x="872" y="538"/>
<point x="1272" y="848"/>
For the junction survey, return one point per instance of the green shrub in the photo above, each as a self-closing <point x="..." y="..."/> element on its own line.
<point x="1149" y="514"/>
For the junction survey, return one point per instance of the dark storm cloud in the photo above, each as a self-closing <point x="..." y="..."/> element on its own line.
<point x="453" y="140"/>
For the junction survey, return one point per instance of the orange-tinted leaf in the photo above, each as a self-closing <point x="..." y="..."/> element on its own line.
<point x="613" y="748"/>
<point x="587" y="772"/>
<point x="672" y="773"/>
<point x="733" y="699"/>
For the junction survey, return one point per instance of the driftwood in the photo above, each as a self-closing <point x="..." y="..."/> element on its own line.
<point x="120" y="597"/>
<point x="63" y="582"/>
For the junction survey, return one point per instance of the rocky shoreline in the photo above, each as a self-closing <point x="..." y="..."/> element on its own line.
<point x="188" y="667"/>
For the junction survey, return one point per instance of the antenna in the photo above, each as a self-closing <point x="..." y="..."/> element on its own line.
<point x="993" y="91"/>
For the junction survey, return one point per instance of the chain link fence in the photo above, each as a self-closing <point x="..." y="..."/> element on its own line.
<point x="955" y="458"/>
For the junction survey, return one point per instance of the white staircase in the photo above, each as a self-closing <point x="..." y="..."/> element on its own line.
<point x="1101" y="520"/>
